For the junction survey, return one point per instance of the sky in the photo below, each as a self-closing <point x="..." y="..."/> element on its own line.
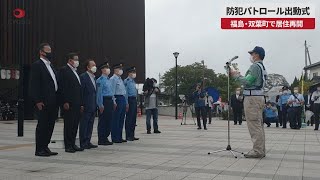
<point x="192" y="28"/>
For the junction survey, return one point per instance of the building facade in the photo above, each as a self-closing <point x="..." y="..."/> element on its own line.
<point x="104" y="30"/>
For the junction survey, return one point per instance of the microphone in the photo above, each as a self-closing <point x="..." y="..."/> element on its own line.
<point x="232" y="59"/>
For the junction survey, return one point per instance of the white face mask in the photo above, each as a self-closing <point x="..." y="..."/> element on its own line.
<point x="296" y="91"/>
<point x="93" y="69"/>
<point x="134" y="75"/>
<point x="120" y="72"/>
<point x="106" y="71"/>
<point x="285" y="92"/>
<point x="251" y="59"/>
<point x="281" y="93"/>
<point x="76" y="64"/>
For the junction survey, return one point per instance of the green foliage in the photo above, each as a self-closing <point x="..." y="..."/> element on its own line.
<point x="190" y="75"/>
<point x="295" y="83"/>
<point x="306" y="85"/>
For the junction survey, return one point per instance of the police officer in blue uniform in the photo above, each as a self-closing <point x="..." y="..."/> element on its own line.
<point x="283" y="103"/>
<point x="105" y="96"/>
<point x="131" y="116"/>
<point x="121" y="103"/>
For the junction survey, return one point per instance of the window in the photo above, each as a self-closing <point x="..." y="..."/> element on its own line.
<point x="314" y="74"/>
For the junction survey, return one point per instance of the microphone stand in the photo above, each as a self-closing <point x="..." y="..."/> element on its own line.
<point x="228" y="146"/>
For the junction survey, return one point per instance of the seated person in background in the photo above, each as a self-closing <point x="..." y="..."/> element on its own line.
<point x="271" y="114"/>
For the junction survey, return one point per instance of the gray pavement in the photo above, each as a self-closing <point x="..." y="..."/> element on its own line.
<point x="180" y="152"/>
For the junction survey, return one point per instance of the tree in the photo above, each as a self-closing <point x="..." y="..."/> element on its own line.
<point x="190" y="75"/>
<point x="295" y="83"/>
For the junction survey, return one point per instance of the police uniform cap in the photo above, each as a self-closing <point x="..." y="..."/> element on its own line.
<point x="117" y="66"/>
<point x="131" y="69"/>
<point x="104" y="65"/>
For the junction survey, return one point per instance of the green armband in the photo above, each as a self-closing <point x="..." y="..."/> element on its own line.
<point x="250" y="79"/>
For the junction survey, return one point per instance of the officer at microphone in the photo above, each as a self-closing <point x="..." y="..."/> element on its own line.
<point x="254" y="101"/>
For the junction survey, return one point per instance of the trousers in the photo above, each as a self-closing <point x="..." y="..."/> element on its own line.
<point x="118" y="119"/>
<point x="46" y="121"/>
<point x="201" y="113"/>
<point x="105" y="120"/>
<point x="253" y="109"/>
<point x="131" y="118"/>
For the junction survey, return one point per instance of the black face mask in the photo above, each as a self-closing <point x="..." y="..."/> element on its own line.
<point x="49" y="56"/>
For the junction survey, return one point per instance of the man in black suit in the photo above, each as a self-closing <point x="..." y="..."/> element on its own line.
<point x="43" y="84"/>
<point x="88" y="85"/>
<point x="237" y="106"/>
<point x="71" y="99"/>
<point x="309" y="106"/>
<point x="278" y="106"/>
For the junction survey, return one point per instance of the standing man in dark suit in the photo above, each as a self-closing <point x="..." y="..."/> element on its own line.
<point x="309" y="106"/>
<point x="71" y="98"/>
<point x="88" y="86"/>
<point x="279" y="107"/>
<point x="237" y="106"/>
<point x="43" y="92"/>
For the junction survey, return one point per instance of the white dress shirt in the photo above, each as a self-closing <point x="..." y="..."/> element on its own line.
<point x="92" y="77"/>
<point x="209" y="101"/>
<point x="53" y="76"/>
<point x="74" y="70"/>
<point x="315" y="97"/>
<point x="296" y="100"/>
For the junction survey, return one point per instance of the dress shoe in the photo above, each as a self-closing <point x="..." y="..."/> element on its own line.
<point x="76" y="148"/>
<point x="70" y="150"/>
<point x="157" y="132"/>
<point x="205" y="128"/>
<point x="92" y="145"/>
<point x="130" y="139"/>
<point x="124" y="140"/>
<point x="117" y="142"/>
<point x="107" y="143"/>
<point x="42" y="153"/>
<point x="148" y="132"/>
<point x="254" y="155"/>
<point x="199" y="128"/>
<point x="316" y="129"/>
<point x="50" y="152"/>
<point x="85" y="147"/>
<point x="136" y="139"/>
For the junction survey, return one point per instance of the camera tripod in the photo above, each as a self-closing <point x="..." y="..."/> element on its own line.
<point x="228" y="146"/>
<point x="185" y="107"/>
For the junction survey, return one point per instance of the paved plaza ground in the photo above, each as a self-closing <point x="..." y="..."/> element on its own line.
<point x="180" y="152"/>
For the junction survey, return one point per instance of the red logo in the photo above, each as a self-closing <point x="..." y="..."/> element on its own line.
<point x="19" y="13"/>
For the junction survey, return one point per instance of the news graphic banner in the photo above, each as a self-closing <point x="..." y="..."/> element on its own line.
<point x="268" y="16"/>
